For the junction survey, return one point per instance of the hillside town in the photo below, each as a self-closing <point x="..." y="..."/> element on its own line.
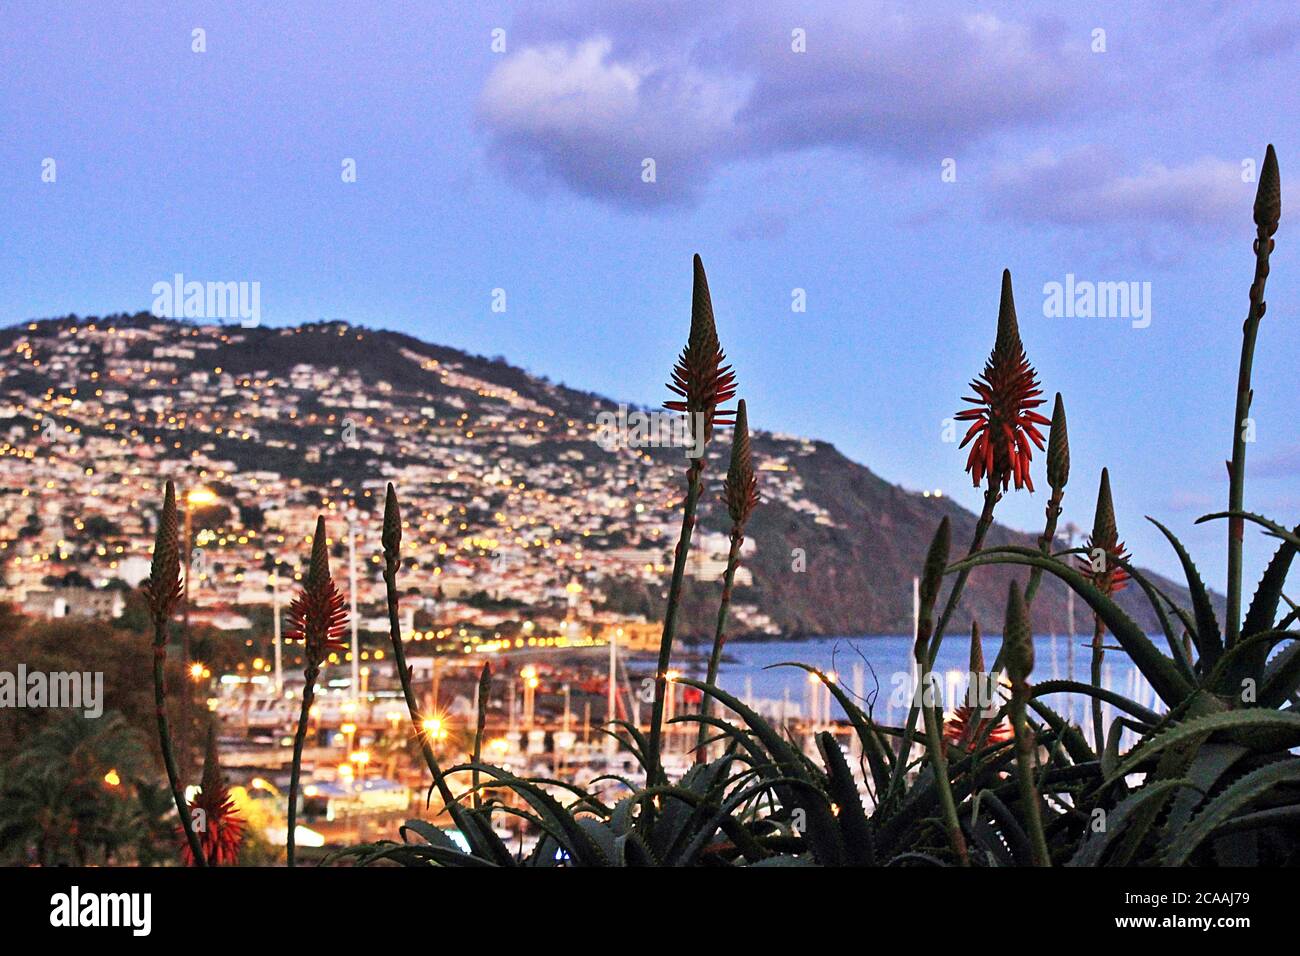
<point x="521" y="513"/>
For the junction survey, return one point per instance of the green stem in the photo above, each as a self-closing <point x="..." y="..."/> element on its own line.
<point x="1045" y="542"/>
<point x="719" y="635"/>
<point x="991" y="497"/>
<point x="165" y="742"/>
<point x="694" y="485"/>
<point x="1098" y="652"/>
<point x="299" y="740"/>
<point x="1025" y="770"/>
<point x="939" y="760"/>
<point x="1237" y="470"/>
<point x="412" y="705"/>
<point x="480" y="723"/>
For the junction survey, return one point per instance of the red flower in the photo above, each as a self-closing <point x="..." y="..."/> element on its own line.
<point x="965" y="728"/>
<point x="212" y="813"/>
<point x="699" y="375"/>
<point x="1004" y="419"/>
<point x="318" y="614"/>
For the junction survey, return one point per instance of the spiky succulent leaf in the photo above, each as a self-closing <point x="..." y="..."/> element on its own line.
<point x="1219" y="810"/>
<point x="1208" y="638"/>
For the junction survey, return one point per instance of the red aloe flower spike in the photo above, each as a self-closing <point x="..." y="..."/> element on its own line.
<point x="966" y="727"/>
<point x="1105" y="537"/>
<point x="221" y="830"/>
<point x="1004" y="420"/>
<point x="163" y="589"/>
<point x="699" y="376"/>
<point x="318" y="615"/>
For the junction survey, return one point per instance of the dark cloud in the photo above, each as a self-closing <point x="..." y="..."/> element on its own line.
<point x="588" y="91"/>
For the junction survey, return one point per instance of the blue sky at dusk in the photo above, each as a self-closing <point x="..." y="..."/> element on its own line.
<point x="818" y="170"/>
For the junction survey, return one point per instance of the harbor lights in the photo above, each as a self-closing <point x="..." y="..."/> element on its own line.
<point x="529" y="674"/>
<point x="359" y="758"/>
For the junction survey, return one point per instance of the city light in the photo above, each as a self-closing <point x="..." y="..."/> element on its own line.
<point x="200" y="497"/>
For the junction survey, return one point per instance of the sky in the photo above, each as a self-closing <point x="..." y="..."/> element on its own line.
<point x="878" y="163"/>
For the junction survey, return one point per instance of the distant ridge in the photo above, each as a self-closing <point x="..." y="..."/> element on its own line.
<point x="858" y="538"/>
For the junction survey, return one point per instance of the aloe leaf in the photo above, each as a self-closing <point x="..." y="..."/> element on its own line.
<point x="1095" y="844"/>
<point x="575" y="839"/>
<point x="879" y="757"/>
<point x="633" y="850"/>
<point x="822" y="833"/>
<point x="1159" y="670"/>
<point x="1221" y="808"/>
<point x="1209" y="639"/>
<point x="1281" y="678"/>
<point x="1263" y="606"/>
<point x="1281" y="725"/>
<point x="710" y="781"/>
<point x="1075" y="744"/>
<point x="1273" y="817"/>
<point x="1203" y="772"/>
<point x="1158" y="601"/>
<point x="1229" y="673"/>
<point x="743" y="739"/>
<point x="1110" y="753"/>
<point x="637" y="742"/>
<point x="435" y="836"/>
<point x="483" y="840"/>
<point x="1273" y="528"/>
<point x="1109" y="696"/>
<point x="1009" y="828"/>
<point x="844" y="791"/>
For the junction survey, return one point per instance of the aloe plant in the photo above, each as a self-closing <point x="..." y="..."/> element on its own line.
<point x="1210" y="779"/>
<point x="1217" y="768"/>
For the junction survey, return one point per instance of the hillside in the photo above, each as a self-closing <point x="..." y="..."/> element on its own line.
<point x="510" y="494"/>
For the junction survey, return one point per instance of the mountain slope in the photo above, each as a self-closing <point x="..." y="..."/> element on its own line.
<point x="511" y="493"/>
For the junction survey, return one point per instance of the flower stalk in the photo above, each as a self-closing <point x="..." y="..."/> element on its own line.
<point x="1003" y="427"/>
<point x="392" y="542"/>
<point x="1268" y="213"/>
<point x="1058" y="474"/>
<point x="163" y="591"/>
<point x="740" y="494"/>
<point x="929" y="693"/>
<point x="703" y="383"/>
<point x="1018" y="643"/>
<point x="484" y="689"/>
<point x="318" y="618"/>
<point x="1108" y="576"/>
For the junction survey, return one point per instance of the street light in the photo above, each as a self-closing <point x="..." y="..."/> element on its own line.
<point x="200" y="497"/>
